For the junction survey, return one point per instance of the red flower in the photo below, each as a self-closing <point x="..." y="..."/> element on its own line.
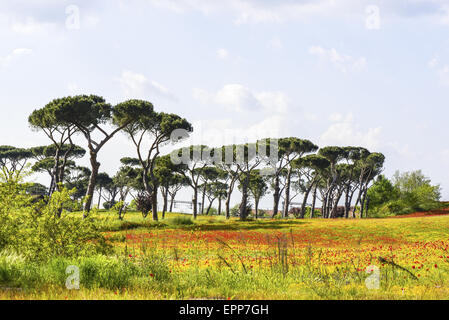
<point x="151" y="275"/>
<point x="436" y="266"/>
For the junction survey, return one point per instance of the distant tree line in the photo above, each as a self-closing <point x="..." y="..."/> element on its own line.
<point x="331" y="175"/>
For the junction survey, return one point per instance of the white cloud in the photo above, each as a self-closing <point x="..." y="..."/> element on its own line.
<point x="73" y="88"/>
<point x="222" y="54"/>
<point x="30" y="27"/>
<point x="433" y="63"/>
<point x="445" y="15"/>
<point x="342" y="62"/>
<point x="257" y="11"/>
<point x="250" y="11"/>
<point x="441" y="70"/>
<point x="136" y="85"/>
<point x="276" y="43"/>
<point x="273" y="101"/>
<point x="345" y="132"/>
<point x="16" y="53"/>
<point x="309" y="116"/>
<point x="221" y="132"/>
<point x="445" y="155"/>
<point x="238" y="98"/>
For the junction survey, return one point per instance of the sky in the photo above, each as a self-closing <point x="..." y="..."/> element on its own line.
<point x="349" y="72"/>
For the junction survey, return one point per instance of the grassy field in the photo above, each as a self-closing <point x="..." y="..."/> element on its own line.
<point x="267" y="259"/>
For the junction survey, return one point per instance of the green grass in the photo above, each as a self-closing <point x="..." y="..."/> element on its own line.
<point x="215" y="258"/>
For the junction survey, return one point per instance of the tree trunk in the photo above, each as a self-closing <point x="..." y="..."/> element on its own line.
<point x="195" y="202"/>
<point x="172" y="201"/>
<point x="92" y="182"/>
<point x="219" y="206"/>
<point x="324" y="206"/>
<point x="165" y="196"/>
<point x="357" y="201"/>
<point x="244" y="203"/>
<point x="256" y="206"/>
<point x="304" y="202"/>
<point x="276" y="196"/>
<point x="335" y="204"/>
<point x="287" y="193"/>
<point x="228" y="199"/>
<point x="154" y="203"/>
<point x="362" y="204"/>
<point x="99" y="197"/>
<point x="347" y="202"/>
<point x="55" y="180"/>
<point x="209" y="207"/>
<point x="203" y="198"/>
<point x="52" y="182"/>
<point x="312" y="211"/>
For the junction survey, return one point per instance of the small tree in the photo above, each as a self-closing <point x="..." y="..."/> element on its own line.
<point x="207" y="174"/>
<point x="46" y="161"/>
<point x="191" y="168"/>
<point x="177" y="182"/>
<point x="89" y="115"/>
<point x="310" y="168"/>
<point x="258" y="187"/>
<point x="103" y="181"/>
<point x="157" y="128"/>
<point x="13" y="161"/>
<point x="165" y="172"/>
<point x="214" y="190"/>
<point x="60" y="132"/>
<point x="247" y="159"/>
<point x="78" y="179"/>
<point x="124" y="180"/>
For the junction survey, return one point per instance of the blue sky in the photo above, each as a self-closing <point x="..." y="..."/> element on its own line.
<point x="371" y="73"/>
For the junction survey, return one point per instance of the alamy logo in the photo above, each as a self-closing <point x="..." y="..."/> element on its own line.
<point x="266" y="150"/>
<point x="73" y="280"/>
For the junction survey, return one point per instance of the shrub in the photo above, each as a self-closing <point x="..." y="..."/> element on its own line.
<point x="213" y="211"/>
<point x="143" y="203"/>
<point x="181" y="221"/>
<point x="41" y="231"/>
<point x="121" y="209"/>
<point x="262" y="213"/>
<point x="235" y="210"/>
<point x="409" y="192"/>
<point x="108" y="205"/>
<point x="14" y="206"/>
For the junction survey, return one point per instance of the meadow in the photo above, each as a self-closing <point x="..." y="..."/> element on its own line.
<point x="215" y="258"/>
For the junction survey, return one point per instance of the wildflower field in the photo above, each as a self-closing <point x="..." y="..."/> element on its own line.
<point x="215" y="258"/>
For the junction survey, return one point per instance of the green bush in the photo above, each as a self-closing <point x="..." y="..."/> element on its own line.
<point x="40" y="231"/>
<point x="108" y="205"/>
<point x="235" y="211"/>
<point x="408" y="192"/>
<point x="181" y="221"/>
<point x="14" y="209"/>
<point x="213" y="211"/>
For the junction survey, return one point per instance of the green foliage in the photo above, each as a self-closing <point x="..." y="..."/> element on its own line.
<point x="120" y="207"/>
<point x="41" y="231"/>
<point x="408" y="192"/>
<point x="13" y="162"/>
<point x="13" y="201"/>
<point x="213" y="211"/>
<point x="109" y="204"/>
<point x="181" y="221"/>
<point x="382" y="192"/>
<point x="143" y="203"/>
<point x="235" y="210"/>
